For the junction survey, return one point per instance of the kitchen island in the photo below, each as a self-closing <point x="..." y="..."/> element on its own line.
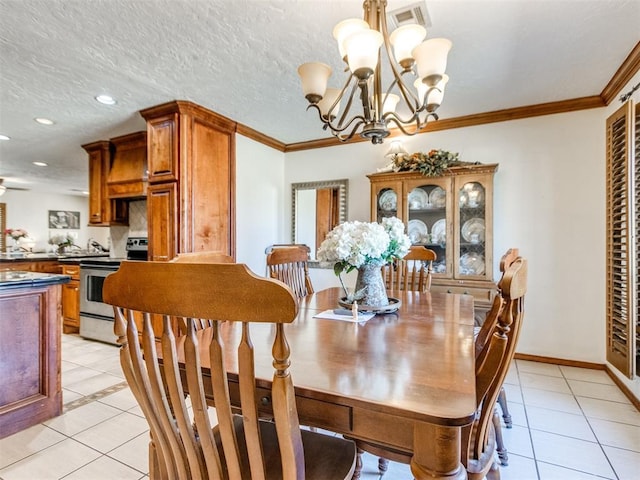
<point x="30" y="336"/>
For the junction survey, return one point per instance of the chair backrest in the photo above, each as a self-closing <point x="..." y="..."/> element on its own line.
<point x="494" y="358"/>
<point x="198" y="257"/>
<point x="220" y="292"/>
<point x="413" y="272"/>
<point x="289" y="264"/>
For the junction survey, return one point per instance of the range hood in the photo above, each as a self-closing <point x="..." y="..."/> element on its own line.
<point x="128" y="173"/>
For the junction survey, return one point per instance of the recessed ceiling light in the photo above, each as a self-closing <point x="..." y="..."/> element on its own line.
<point x="44" y="121"/>
<point x="85" y="193"/>
<point x="4" y="137"/>
<point x="106" y="99"/>
<point x="41" y="164"/>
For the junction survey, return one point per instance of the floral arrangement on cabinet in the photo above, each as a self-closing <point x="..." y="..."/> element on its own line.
<point x="366" y="247"/>
<point x="433" y="163"/>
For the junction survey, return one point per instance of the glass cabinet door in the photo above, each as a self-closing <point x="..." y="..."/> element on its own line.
<point x="472" y="240"/>
<point x="388" y="203"/>
<point x="427" y="204"/>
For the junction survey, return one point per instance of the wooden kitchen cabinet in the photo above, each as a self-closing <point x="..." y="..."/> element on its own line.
<point x="191" y="193"/>
<point x="71" y="300"/>
<point x="102" y="211"/>
<point x="451" y="214"/>
<point x="162" y="220"/>
<point x="30" y="339"/>
<point x="128" y="174"/>
<point x="41" y="266"/>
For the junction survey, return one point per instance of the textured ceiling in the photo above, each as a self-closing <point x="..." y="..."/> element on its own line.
<point x="239" y="58"/>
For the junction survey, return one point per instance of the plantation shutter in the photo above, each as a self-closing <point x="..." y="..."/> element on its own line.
<point x="623" y="205"/>
<point x="3" y="227"/>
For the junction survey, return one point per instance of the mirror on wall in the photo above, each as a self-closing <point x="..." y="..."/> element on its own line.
<point x="317" y="207"/>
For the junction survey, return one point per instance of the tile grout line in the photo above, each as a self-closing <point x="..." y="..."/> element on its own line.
<point x="617" y="477"/>
<point x="526" y="416"/>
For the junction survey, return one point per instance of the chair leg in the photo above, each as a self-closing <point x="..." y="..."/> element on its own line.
<point x="358" y="470"/>
<point x="494" y="472"/>
<point x="383" y="464"/>
<point x="500" y="448"/>
<point x="502" y="400"/>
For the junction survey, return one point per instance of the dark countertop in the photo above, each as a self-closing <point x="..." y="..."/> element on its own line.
<point x="39" y="257"/>
<point x="21" y="279"/>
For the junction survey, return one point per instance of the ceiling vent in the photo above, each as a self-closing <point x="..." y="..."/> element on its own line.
<point x="409" y="14"/>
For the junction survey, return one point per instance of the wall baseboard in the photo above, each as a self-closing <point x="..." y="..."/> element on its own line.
<point x="629" y="394"/>
<point x="559" y="361"/>
<point x="594" y="366"/>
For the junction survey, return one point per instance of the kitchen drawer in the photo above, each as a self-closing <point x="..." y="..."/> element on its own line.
<point x="72" y="270"/>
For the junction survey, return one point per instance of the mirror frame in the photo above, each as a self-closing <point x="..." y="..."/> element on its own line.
<point x="342" y="185"/>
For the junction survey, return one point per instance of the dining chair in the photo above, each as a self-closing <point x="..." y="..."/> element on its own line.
<point x="290" y="264"/>
<point x="412" y="272"/>
<point x="493" y="359"/>
<point x="186" y="445"/>
<point x="482" y="334"/>
<point x="507" y="259"/>
<point x="479" y="448"/>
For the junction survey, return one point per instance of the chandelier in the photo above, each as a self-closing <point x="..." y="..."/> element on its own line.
<point x="417" y="86"/>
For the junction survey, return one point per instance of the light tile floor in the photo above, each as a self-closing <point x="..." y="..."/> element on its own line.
<point x="569" y="424"/>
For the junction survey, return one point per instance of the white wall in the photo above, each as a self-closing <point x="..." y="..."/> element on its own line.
<point x="260" y="197"/>
<point x="29" y="211"/>
<point x="549" y="202"/>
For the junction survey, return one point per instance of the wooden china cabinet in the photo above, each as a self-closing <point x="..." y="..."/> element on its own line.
<point x="451" y="214"/>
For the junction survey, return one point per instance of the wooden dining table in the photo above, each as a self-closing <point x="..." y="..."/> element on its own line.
<point x="403" y="380"/>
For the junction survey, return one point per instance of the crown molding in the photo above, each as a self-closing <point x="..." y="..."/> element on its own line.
<point x="627" y="70"/>
<point x="516" y="113"/>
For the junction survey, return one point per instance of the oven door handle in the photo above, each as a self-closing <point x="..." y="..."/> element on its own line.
<point x="98" y="317"/>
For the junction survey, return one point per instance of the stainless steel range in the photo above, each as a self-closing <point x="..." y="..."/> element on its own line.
<point x="96" y="317"/>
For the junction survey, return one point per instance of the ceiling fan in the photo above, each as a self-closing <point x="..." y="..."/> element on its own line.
<point x="4" y="188"/>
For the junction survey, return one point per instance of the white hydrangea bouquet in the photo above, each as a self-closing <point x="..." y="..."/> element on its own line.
<point x="356" y="245"/>
<point x="62" y="241"/>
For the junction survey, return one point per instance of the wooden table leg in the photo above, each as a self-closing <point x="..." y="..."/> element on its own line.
<point x="436" y="453"/>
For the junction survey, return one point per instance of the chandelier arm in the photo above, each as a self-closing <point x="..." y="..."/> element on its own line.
<point x="407" y="92"/>
<point x="389" y="116"/>
<point x="341" y="94"/>
<point x="426" y="98"/>
<point x="349" y="103"/>
<point x="392" y="63"/>
<point x="402" y="128"/>
<point x="353" y="130"/>
<point x="335" y="130"/>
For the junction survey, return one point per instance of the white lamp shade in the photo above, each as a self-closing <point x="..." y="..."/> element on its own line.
<point x="421" y="88"/>
<point x="314" y="76"/>
<point x="362" y="50"/>
<point x="437" y="93"/>
<point x="325" y="104"/>
<point x="405" y="39"/>
<point x="396" y="149"/>
<point x="345" y="28"/>
<point x="431" y="57"/>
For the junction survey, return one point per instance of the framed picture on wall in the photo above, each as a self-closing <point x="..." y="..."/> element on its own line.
<point x="64" y="219"/>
